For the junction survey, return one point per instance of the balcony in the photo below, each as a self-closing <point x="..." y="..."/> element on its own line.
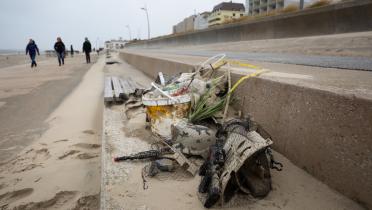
<point x="272" y="2"/>
<point x="214" y="20"/>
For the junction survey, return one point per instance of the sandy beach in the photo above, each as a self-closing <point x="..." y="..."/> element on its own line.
<point x="50" y="135"/>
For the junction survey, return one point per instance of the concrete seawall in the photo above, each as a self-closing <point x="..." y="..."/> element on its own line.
<point x="352" y="16"/>
<point x="326" y="133"/>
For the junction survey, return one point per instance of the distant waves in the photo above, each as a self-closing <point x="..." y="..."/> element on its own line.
<point x="10" y="52"/>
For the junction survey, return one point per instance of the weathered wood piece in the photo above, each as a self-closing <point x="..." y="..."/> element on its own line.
<point x="108" y="94"/>
<point x="118" y="90"/>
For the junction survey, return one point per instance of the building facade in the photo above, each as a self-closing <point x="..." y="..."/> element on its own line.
<point x="256" y="7"/>
<point x="225" y="12"/>
<point x="201" y="21"/>
<point x="186" y="25"/>
<point x="115" y="44"/>
<point x="179" y="28"/>
<point x="247" y="6"/>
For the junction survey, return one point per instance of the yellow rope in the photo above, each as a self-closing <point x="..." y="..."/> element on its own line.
<point x="255" y="74"/>
<point x="247" y="65"/>
<point x="243" y="64"/>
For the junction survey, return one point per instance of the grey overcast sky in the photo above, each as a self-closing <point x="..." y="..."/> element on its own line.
<point x="44" y="20"/>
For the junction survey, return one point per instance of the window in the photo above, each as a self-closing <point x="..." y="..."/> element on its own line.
<point x="234" y="14"/>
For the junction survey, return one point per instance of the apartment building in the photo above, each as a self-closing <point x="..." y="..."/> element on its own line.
<point x="255" y="7"/>
<point x="185" y="25"/>
<point x="201" y="21"/>
<point x="225" y="12"/>
<point x="115" y="44"/>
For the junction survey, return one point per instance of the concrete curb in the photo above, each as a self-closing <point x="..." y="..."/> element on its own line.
<point x="103" y="163"/>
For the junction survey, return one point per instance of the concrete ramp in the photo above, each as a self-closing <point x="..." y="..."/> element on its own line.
<point x="344" y="17"/>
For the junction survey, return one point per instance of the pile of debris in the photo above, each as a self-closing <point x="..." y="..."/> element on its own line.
<point x="188" y="115"/>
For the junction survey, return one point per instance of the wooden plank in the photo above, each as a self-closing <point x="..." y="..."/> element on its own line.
<point x="117" y="88"/>
<point x="124" y="85"/>
<point x="108" y="94"/>
<point x="134" y="84"/>
<point x="127" y="89"/>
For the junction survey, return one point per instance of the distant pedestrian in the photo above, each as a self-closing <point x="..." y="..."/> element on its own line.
<point x="72" y="51"/>
<point x="32" y="49"/>
<point x="87" y="48"/>
<point x="60" y="49"/>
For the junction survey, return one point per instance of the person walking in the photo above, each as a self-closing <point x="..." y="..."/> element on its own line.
<point x="59" y="47"/>
<point x="87" y="48"/>
<point x="72" y="51"/>
<point x="32" y="49"/>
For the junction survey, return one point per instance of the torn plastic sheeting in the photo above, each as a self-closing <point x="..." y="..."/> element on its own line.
<point x="239" y="148"/>
<point x="193" y="139"/>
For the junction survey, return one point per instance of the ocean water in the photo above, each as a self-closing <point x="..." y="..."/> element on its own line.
<point x="10" y="52"/>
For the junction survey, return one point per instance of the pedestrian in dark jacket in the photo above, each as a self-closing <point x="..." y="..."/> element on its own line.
<point x="72" y="51"/>
<point x="87" y="48"/>
<point x="60" y="49"/>
<point x="32" y="49"/>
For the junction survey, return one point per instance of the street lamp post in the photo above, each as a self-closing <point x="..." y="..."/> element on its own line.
<point x="138" y="33"/>
<point x="130" y="33"/>
<point x="97" y="43"/>
<point x="301" y="4"/>
<point x="148" y="21"/>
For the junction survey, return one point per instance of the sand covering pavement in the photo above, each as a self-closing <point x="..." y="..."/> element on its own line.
<point x="61" y="169"/>
<point x="29" y="95"/>
<point x="11" y="60"/>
